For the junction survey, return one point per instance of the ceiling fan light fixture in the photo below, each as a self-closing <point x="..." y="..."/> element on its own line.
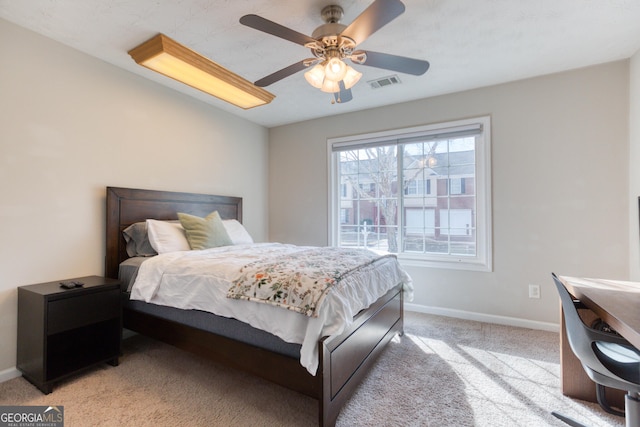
<point x="315" y="76"/>
<point x="330" y="86"/>
<point x="359" y="57"/>
<point x="335" y="69"/>
<point x="351" y="77"/>
<point x="170" y="58"/>
<point x="333" y="42"/>
<point x="432" y="162"/>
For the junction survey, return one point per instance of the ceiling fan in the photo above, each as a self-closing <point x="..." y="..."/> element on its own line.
<point x="333" y="42"/>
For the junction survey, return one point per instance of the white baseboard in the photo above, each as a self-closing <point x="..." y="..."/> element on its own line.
<point x="481" y="317"/>
<point x="9" y="374"/>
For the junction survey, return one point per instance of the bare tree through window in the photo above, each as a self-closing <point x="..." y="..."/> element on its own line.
<point x="372" y="176"/>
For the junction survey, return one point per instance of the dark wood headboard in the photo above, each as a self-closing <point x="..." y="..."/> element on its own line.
<point x="126" y="206"/>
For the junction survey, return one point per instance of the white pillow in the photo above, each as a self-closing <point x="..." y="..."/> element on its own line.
<point x="237" y="232"/>
<point x="167" y="236"/>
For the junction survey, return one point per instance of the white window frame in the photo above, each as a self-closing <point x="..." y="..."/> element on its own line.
<point x="483" y="260"/>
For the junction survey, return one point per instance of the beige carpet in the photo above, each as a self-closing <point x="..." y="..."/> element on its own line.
<point x="443" y="372"/>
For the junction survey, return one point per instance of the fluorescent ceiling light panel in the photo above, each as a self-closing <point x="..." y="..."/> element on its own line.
<point x="168" y="57"/>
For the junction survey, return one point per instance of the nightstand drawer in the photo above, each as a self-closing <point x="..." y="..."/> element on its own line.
<point x="75" y="312"/>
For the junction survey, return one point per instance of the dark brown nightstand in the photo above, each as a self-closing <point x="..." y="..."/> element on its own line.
<point x="61" y="331"/>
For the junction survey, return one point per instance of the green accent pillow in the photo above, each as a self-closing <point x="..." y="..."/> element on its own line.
<point x="205" y="233"/>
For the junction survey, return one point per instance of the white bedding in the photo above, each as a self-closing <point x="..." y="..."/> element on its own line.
<point x="200" y="280"/>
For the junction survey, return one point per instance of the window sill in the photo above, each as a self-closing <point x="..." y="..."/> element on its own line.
<point x="451" y="263"/>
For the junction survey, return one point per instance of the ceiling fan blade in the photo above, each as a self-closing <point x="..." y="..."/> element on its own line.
<point x="281" y="74"/>
<point x="402" y="64"/>
<point x="344" y="95"/>
<point x="270" y="27"/>
<point x="376" y="16"/>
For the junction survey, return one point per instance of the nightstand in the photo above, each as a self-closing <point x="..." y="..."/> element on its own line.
<point x="61" y="331"/>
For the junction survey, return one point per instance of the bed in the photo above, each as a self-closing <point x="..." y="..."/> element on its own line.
<point x="343" y="359"/>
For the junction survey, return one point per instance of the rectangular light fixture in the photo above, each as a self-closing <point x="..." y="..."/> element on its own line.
<point x="168" y="57"/>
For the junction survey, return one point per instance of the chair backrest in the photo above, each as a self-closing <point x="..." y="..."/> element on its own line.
<point x="580" y="336"/>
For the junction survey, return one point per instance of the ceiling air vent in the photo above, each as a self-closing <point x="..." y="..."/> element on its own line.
<point x="384" y="81"/>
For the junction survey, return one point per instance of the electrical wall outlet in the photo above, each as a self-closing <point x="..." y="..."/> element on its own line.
<point x="534" y="291"/>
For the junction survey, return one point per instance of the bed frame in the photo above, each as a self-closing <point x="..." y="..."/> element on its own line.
<point x="344" y="360"/>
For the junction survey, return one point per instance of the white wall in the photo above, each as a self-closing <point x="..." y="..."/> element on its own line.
<point x="560" y="185"/>
<point x="70" y="125"/>
<point x="634" y="167"/>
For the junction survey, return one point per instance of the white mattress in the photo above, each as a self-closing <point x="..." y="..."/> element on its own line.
<point x="200" y="280"/>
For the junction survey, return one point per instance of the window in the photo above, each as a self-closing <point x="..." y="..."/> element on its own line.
<point x="344" y="216"/>
<point x="422" y="193"/>
<point x="456" y="185"/>
<point x="416" y="187"/>
<point x="343" y="190"/>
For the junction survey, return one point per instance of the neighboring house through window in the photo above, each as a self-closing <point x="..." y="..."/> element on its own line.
<point x="422" y="193"/>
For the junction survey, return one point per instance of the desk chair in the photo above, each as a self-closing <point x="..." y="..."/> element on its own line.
<point x="609" y="360"/>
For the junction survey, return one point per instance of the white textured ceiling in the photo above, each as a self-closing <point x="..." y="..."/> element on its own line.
<point x="469" y="43"/>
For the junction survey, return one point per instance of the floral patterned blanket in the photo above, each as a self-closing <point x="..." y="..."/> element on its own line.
<point x="299" y="281"/>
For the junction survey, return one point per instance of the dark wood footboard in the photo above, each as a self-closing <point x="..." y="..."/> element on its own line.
<point x="345" y="359"/>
